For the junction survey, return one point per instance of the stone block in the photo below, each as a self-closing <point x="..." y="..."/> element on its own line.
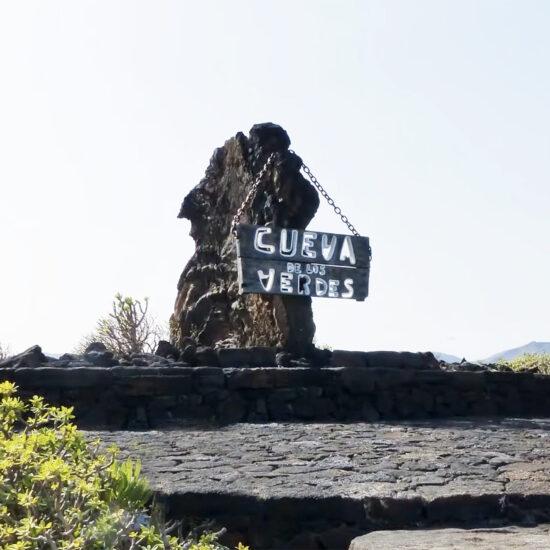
<point x="188" y="354"/>
<point x="137" y="419"/>
<point x="30" y="358"/>
<point x="166" y="349"/>
<point x="205" y="355"/>
<point x="255" y="416"/>
<point x="310" y="391"/>
<point x="384" y="403"/>
<point x="261" y="407"/>
<point x="283" y="359"/>
<point x="101" y="358"/>
<point x="154" y="385"/>
<point x="403" y="404"/>
<point x="301" y="363"/>
<point x="344" y="358"/>
<point x="320" y="357"/>
<point x="163" y="402"/>
<point x="263" y="356"/>
<point x="283" y="394"/>
<point x="69" y="357"/>
<point x="467" y="380"/>
<point x="252" y="378"/>
<point x="433" y="377"/>
<point x="191" y="400"/>
<point x="208" y="378"/>
<point x="368" y="411"/>
<point x="216" y="396"/>
<point x="429" y="361"/>
<point x="59" y="377"/>
<point x="302" y="377"/>
<point x="280" y="410"/>
<point x="357" y="380"/>
<point x="232" y="409"/>
<point x="234" y="357"/>
<point x="392" y="378"/>
<point x="423" y="401"/>
<point x="148" y="358"/>
<point x="386" y="359"/>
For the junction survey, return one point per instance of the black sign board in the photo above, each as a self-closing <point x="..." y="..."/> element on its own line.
<point x="273" y="260"/>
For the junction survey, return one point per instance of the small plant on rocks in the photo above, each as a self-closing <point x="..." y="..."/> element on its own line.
<point x="128" y="329"/>
<point x="59" y="492"/>
<point x="539" y="362"/>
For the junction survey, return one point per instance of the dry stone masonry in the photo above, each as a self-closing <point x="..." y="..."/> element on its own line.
<point x="262" y="384"/>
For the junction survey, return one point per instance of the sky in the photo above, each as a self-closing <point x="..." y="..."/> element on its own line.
<point x="428" y="122"/>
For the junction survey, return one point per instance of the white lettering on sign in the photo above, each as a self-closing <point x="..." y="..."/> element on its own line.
<point x="286" y="282"/>
<point x="333" y="288"/>
<point x="347" y="251"/>
<point x="348" y="283"/>
<point x="328" y="249"/>
<point x="321" y="287"/>
<point x="294" y="247"/>
<point x="303" y="284"/>
<point x="293" y="281"/>
<point x="307" y="245"/>
<point x="297" y="262"/>
<point x="315" y="269"/>
<point x="267" y="280"/>
<point x="284" y="248"/>
<point x="259" y="244"/>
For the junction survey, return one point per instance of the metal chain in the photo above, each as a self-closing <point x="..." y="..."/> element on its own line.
<point x="248" y="200"/>
<point x="337" y="209"/>
<point x="268" y="163"/>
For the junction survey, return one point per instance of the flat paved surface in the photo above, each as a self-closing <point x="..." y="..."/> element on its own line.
<point x="427" y="459"/>
<point x="509" y="538"/>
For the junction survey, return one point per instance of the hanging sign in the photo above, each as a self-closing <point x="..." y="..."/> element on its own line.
<point x="273" y="260"/>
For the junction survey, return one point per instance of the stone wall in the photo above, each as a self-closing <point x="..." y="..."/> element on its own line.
<point x="350" y="388"/>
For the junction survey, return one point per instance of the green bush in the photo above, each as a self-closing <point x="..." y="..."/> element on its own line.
<point x="59" y="492"/>
<point x="530" y="361"/>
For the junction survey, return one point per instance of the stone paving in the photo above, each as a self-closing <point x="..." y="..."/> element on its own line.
<point x="359" y="460"/>
<point x="510" y="538"/>
<point x="319" y="486"/>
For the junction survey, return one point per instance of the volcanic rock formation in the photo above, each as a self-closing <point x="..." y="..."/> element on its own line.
<point x="208" y="308"/>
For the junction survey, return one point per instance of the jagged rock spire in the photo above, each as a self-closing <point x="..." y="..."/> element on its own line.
<point x="208" y="308"/>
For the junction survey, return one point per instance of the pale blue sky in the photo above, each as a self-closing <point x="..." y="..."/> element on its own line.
<point x="428" y="121"/>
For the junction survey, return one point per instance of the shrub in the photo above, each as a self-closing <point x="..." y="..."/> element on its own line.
<point x="530" y="361"/>
<point x="128" y="329"/>
<point x="59" y="492"/>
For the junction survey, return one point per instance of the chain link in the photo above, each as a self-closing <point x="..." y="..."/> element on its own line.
<point x="268" y="163"/>
<point x="337" y="209"/>
<point x="248" y="200"/>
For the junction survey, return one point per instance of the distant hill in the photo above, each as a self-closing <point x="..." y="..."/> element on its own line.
<point x="510" y="354"/>
<point x="446" y="357"/>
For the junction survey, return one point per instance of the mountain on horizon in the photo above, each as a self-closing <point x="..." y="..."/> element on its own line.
<point x="447" y="357"/>
<point x="514" y="353"/>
